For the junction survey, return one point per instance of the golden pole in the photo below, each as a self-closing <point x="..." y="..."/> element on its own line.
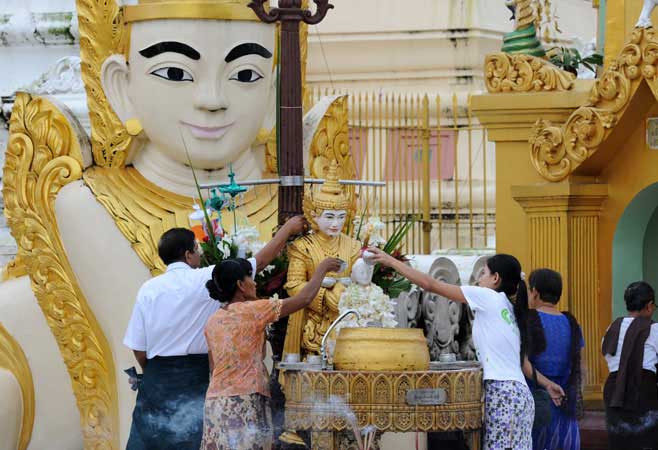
<point x="427" y="225"/>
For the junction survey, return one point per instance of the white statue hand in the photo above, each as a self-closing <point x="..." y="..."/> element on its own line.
<point x="328" y="282"/>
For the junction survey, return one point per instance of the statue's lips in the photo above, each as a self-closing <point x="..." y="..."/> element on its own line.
<point x="208" y="132"/>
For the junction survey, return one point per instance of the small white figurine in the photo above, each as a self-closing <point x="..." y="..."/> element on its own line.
<point x="645" y="16"/>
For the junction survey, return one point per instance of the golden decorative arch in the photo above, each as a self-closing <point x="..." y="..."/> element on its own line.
<point x="13" y="359"/>
<point x="558" y="150"/>
<point x="44" y="155"/>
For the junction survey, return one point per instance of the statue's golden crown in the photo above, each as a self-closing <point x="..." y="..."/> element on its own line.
<point x="331" y="195"/>
<point x="138" y="10"/>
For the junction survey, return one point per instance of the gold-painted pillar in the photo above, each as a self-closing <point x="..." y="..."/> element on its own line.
<point x="562" y="221"/>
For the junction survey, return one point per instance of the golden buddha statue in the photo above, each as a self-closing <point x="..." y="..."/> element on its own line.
<point x="170" y="83"/>
<point x="327" y="210"/>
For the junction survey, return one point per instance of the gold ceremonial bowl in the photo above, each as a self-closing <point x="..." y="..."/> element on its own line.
<point x="388" y="349"/>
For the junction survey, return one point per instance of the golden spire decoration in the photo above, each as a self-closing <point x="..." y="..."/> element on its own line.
<point x="331" y="196"/>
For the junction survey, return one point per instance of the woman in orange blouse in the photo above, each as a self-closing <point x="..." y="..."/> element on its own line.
<point x="237" y="413"/>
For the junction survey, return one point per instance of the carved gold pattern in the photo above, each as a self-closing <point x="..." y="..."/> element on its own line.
<point x="43" y="155"/>
<point x="525" y="14"/>
<point x="331" y="143"/>
<point x="143" y="211"/>
<point x="506" y="72"/>
<point x="14" y="269"/>
<point x="558" y="150"/>
<point x="13" y="359"/>
<point x="379" y="399"/>
<point x="102" y="33"/>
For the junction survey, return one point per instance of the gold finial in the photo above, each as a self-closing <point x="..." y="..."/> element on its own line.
<point x="189" y="9"/>
<point x="331" y="196"/>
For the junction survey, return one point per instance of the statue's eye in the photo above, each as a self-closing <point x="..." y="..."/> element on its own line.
<point x="246" y="76"/>
<point x="173" y="74"/>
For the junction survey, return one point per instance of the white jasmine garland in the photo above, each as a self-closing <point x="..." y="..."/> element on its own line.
<point x="371" y="303"/>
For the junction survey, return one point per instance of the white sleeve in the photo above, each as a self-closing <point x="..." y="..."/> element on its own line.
<point x="254" y="267"/>
<point x="476" y="297"/>
<point x="135" y="337"/>
<point x="652" y="340"/>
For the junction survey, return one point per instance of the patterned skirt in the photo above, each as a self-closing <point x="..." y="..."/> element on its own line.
<point x="241" y="422"/>
<point x="509" y="411"/>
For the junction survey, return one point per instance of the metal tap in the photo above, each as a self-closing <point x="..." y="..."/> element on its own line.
<point x="323" y="347"/>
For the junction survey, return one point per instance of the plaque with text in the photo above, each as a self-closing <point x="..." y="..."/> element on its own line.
<point x="426" y="397"/>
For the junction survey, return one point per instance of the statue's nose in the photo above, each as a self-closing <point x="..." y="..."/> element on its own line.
<point x="210" y="97"/>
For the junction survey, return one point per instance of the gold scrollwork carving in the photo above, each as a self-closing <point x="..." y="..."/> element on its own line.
<point x="14" y="360"/>
<point x="102" y="33"/>
<point x="506" y="72"/>
<point x="43" y="155"/>
<point x="558" y="151"/>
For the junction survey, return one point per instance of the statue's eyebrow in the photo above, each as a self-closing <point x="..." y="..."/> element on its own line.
<point x="250" y="48"/>
<point x="172" y="47"/>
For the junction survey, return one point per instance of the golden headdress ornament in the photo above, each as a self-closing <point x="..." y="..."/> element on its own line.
<point x="135" y="11"/>
<point x="331" y="194"/>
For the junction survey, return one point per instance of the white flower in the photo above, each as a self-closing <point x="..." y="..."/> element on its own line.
<point x="371" y="303"/>
<point x="269" y="268"/>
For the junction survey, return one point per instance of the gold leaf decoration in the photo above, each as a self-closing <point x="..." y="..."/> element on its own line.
<point x="102" y="34"/>
<point x="506" y="72"/>
<point x="558" y="151"/>
<point x="43" y="155"/>
<point x="372" y="396"/>
<point x="14" y="360"/>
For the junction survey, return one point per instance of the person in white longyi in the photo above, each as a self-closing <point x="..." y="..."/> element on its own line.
<point x="166" y="334"/>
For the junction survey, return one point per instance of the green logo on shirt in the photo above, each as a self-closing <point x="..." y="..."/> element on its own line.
<point x="506" y="315"/>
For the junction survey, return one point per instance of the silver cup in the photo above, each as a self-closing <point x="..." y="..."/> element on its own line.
<point x="292" y="358"/>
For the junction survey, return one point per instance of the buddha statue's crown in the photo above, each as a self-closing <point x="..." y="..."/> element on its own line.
<point x="138" y="10"/>
<point x="331" y="196"/>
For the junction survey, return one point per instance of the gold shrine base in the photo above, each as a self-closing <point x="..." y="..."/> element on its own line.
<point x="380" y="399"/>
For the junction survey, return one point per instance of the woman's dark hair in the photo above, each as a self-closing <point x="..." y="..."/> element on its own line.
<point x="637" y="295"/>
<point x="508" y="269"/>
<point x="548" y="284"/>
<point x="225" y="277"/>
<point x="174" y="243"/>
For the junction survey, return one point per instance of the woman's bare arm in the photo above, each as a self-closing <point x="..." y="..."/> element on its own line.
<point x="420" y="279"/>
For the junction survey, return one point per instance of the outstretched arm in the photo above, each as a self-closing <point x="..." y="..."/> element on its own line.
<point x="294" y="225"/>
<point x="420" y="279"/>
<point x="310" y="290"/>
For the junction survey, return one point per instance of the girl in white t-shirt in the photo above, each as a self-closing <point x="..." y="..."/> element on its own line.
<point x="499" y="304"/>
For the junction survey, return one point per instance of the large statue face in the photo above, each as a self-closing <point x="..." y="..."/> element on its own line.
<point x="331" y="222"/>
<point x="207" y="82"/>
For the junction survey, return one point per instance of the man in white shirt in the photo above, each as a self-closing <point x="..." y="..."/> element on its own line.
<point x="165" y="333"/>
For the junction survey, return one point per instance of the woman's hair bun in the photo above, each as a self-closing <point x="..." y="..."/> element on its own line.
<point x="214" y="292"/>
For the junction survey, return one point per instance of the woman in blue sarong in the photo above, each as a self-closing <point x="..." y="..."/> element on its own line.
<point x="556" y="344"/>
